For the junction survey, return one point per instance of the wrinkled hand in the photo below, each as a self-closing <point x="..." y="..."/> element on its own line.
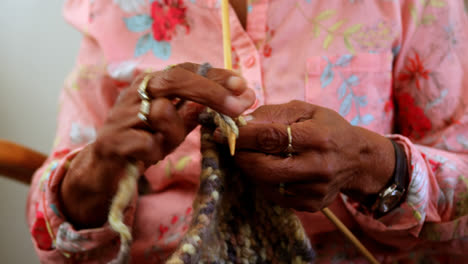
<point x="329" y="156"/>
<point x="94" y="173"/>
<point x="124" y="135"/>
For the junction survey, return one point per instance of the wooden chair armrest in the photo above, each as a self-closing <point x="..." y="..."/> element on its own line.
<point x="18" y="162"/>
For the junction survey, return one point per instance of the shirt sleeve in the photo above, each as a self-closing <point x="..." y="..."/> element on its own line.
<point x="431" y="122"/>
<point x="85" y="100"/>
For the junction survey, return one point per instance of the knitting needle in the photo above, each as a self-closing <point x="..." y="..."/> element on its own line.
<point x="332" y="217"/>
<point x="227" y="62"/>
<point x="232" y="137"/>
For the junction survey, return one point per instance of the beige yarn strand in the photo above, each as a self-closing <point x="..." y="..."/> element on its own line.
<point x="125" y="192"/>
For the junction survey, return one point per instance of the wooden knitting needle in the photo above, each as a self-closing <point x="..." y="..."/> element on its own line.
<point x="332" y="217"/>
<point x="232" y="137"/>
<point x="227" y="62"/>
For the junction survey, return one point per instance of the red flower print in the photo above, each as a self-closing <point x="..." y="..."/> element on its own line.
<point x="162" y="231"/>
<point x="39" y="231"/>
<point x="413" y="122"/>
<point x="188" y="211"/>
<point x="414" y="70"/>
<point x="267" y="47"/>
<point x="435" y="165"/>
<point x="166" y="15"/>
<point x="388" y="106"/>
<point x="174" y="219"/>
<point x="235" y="59"/>
<point x="267" y="50"/>
<point x="60" y="153"/>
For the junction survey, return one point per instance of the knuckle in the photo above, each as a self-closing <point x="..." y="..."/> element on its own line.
<point x="327" y="170"/>
<point x="299" y="105"/>
<point x="163" y="80"/>
<point x="163" y="111"/>
<point x="264" y="109"/>
<point x="326" y="140"/>
<point x="296" y="102"/>
<point x="270" y="139"/>
<point x="188" y="66"/>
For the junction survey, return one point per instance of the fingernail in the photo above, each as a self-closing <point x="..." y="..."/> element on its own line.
<point x="235" y="84"/>
<point x="248" y="118"/>
<point x="232" y="103"/>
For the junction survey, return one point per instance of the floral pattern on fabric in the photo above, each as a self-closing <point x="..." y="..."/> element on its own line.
<point x="414" y="70"/>
<point x="69" y="240"/>
<point x="161" y="25"/>
<point x="338" y="30"/>
<point x="413" y="121"/>
<point x="168" y="234"/>
<point x="346" y="95"/>
<point x="80" y="134"/>
<point x="39" y="231"/>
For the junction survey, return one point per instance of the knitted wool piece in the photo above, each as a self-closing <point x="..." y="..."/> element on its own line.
<point x="231" y="222"/>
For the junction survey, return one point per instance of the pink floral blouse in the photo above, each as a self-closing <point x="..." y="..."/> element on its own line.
<point x="395" y="67"/>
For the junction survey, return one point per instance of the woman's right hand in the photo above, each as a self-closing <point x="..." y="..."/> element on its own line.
<point x="93" y="176"/>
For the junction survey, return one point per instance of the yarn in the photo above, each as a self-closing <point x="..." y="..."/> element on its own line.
<point x="125" y="192"/>
<point x="232" y="222"/>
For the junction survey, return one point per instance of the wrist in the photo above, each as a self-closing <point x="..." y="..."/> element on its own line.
<point x="88" y="187"/>
<point x="376" y="167"/>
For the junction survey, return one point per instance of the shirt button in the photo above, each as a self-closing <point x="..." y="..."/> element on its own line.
<point x="250" y="62"/>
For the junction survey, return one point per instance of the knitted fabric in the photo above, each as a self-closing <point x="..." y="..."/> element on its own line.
<point x="231" y="222"/>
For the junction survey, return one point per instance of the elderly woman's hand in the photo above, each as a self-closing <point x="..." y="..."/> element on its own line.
<point x="328" y="156"/>
<point x="94" y="173"/>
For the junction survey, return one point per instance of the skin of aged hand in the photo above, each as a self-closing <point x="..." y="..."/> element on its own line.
<point x="92" y="178"/>
<point x="330" y="156"/>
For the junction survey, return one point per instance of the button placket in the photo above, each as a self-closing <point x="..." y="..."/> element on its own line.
<point x="250" y="61"/>
<point x="248" y="54"/>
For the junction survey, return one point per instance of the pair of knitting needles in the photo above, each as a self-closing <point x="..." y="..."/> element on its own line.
<point x="232" y="137"/>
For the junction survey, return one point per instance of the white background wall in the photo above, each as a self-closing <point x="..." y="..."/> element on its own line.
<point x="37" y="50"/>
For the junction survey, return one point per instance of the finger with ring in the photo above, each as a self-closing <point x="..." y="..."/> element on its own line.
<point x="142" y="88"/>
<point x="145" y="105"/>
<point x="289" y="149"/>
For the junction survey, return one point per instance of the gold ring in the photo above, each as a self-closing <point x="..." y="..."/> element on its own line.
<point x="145" y="105"/>
<point x="142" y="88"/>
<point x="144" y="110"/>
<point x="289" y="149"/>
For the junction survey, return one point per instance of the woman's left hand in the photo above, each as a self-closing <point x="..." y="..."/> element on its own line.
<point x="328" y="156"/>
